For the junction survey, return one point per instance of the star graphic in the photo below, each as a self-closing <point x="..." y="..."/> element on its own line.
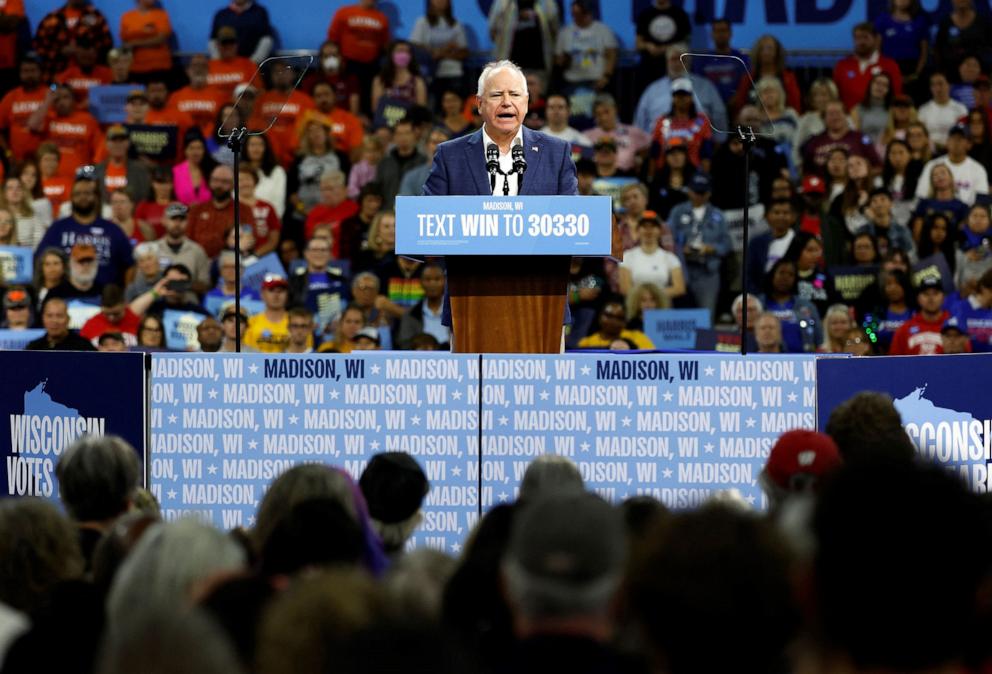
<point x="584" y="446"/>
<point x="212" y="393"/>
<point x="457" y="395"/>
<point x="503" y="496"/>
<point x="708" y="371"/>
<point x="334" y="393"/>
<point x="503" y="420"/>
<point x="172" y="418"/>
<point x="374" y="444"/>
<point x="415" y="420"/>
<point x="792" y="397"/>
<point x="252" y="444"/>
<point x="455" y="547"/>
<point x="251" y="520"/>
<point x="708" y="447"/>
<point x="212" y="469"/>
<point x="667" y="396"/>
<point x="544" y="395"/>
<point x="456" y="471"/>
<point x="626" y="421"/>
<point x="253" y="368"/>
<point x="171" y="493"/>
<point x="750" y="422"/>
<point x="375" y="369"/>
<point x="585" y="369"/>
<point x="667" y="472"/>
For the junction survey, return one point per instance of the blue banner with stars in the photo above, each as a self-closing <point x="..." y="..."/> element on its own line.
<point x="676" y="427"/>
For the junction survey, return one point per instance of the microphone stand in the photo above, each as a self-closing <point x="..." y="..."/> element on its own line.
<point x="746" y="136"/>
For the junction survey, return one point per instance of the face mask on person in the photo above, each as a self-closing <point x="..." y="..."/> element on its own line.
<point x="401" y="59"/>
<point x="331" y="63"/>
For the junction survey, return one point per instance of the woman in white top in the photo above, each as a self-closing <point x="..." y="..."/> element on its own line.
<point x="648" y="262"/>
<point x="31" y="226"/>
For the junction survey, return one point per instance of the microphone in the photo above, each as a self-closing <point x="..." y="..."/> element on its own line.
<point x="492" y="164"/>
<point x="519" y="163"/>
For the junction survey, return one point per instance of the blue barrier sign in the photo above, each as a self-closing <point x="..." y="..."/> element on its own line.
<point x="525" y="225"/>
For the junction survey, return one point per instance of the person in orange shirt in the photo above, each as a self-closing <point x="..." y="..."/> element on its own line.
<point x="57" y="188"/>
<point x="198" y="100"/>
<point x="75" y="132"/>
<point x="345" y="127"/>
<point x="84" y="72"/>
<point x="363" y="33"/>
<point x="146" y="31"/>
<point x="230" y="70"/>
<point x="287" y="105"/>
<point x="17" y="107"/>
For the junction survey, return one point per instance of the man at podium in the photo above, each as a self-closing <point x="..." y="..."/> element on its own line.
<point x="503" y="158"/>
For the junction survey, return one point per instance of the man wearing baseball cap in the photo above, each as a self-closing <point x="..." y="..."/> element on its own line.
<point x="921" y="334"/>
<point x="268" y="331"/>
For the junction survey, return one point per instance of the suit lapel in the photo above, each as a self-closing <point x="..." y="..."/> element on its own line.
<point x="475" y="158"/>
<point x="534" y="153"/>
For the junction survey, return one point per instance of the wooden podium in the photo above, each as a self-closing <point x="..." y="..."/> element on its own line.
<point x="507" y="261"/>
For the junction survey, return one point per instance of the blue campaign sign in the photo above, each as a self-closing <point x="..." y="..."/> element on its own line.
<point x="50" y="398"/>
<point x="526" y="225"/>
<point x="675" y="328"/>
<point x="949" y="423"/>
<point x="13" y="340"/>
<point x="223" y="427"/>
<point x="255" y="272"/>
<point x="16" y="264"/>
<point x="679" y="428"/>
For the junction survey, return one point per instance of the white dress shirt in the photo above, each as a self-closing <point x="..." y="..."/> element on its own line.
<point x="505" y="163"/>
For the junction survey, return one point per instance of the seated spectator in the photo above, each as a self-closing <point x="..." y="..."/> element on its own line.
<point x="425" y="315"/>
<point x="768" y="333"/>
<point x="351" y="322"/>
<point x="854" y="74"/>
<point x="648" y="262"/>
<point x="209" y="335"/>
<point x="921" y="334"/>
<point x="268" y="331"/>
<point x="970" y="177"/>
<point x="111" y="342"/>
<point x="114" y="316"/>
<point x="151" y="334"/>
<point x="941" y="112"/>
<point x="300" y="331"/>
<point x="702" y="235"/>
<point x="612" y="322"/>
<point x="58" y="336"/>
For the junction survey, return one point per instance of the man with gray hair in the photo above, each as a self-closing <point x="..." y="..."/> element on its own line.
<point x="561" y="573"/>
<point x="97" y="478"/>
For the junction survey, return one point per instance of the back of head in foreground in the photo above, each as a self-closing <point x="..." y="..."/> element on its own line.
<point x="901" y="552"/>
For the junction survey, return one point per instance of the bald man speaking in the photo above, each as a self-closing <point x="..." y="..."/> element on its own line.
<point x="503" y="158"/>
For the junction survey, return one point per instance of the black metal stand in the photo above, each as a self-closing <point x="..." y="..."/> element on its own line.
<point x="236" y="141"/>
<point x="746" y="136"/>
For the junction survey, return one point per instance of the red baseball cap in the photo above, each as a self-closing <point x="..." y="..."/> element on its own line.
<point x="801" y="452"/>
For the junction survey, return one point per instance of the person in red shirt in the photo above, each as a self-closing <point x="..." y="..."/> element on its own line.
<point x="230" y="70"/>
<point x="287" y="105"/>
<point x="17" y="107"/>
<point x="853" y="74"/>
<point x="84" y="72"/>
<point x="921" y="334"/>
<point x="198" y="100"/>
<point x="334" y="208"/>
<point x="114" y="316"/>
<point x="362" y="31"/>
<point x="209" y="222"/>
<point x="75" y="132"/>
<point x="265" y="222"/>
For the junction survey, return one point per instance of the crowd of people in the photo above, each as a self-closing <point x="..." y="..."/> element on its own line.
<point x="868" y="196"/>
<point x="868" y="559"/>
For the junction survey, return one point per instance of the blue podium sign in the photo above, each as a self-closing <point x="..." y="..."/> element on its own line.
<point x="525" y="225"/>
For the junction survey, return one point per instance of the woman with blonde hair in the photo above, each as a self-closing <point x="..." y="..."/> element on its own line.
<point x="640" y="298"/>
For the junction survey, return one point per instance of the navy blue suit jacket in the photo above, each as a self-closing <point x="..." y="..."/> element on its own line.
<point x="460" y="167"/>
